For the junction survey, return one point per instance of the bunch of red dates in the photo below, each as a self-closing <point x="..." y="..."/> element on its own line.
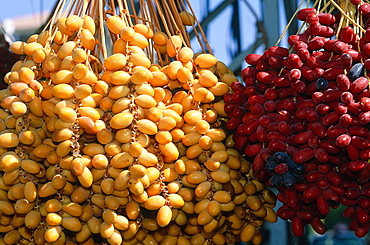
<point x="302" y="116"/>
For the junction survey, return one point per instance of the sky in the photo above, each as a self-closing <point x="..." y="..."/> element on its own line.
<point x="20" y="7"/>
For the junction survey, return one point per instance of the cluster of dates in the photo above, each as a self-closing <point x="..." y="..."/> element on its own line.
<point x="112" y="148"/>
<point x="312" y="103"/>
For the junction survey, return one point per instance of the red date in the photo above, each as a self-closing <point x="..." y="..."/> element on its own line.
<point x="314" y="62"/>
<point x="265" y="120"/>
<point x="321" y="155"/>
<point x="357" y="165"/>
<point x="326" y="19"/>
<point x="337" y="189"/>
<point x="294" y="38"/>
<point x="314" y="141"/>
<point x="248" y="117"/>
<point x="326" y="31"/>
<point x="362" y="215"/>
<point x="276" y="145"/>
<point x="356" y="56"/>
<point x="322" y="109"/>
<point x="253" y="59"/>
<point x="294" y="61"/>
<point x="281" y="82"/>
<point x="316" y="43"/>
<point x="345" y="120"/>
<point x="329" y="147"/>
<point x="318" y="225"/>
<point x="343" y="82"/>
<point x="332" y="95"/>
<point x="319" y="130"/>
<point x="343" y="140"/>
<point x="358" y="131"/>
<point x="284" y="128"/>
<point x="291" y="197"/>
<point x="335" y="131"/>
<point x="346" y="34"/>
<point x="322" y="55"/>
<point x="341" y="109"/>
<point x="305" y="104"/>
<point x="300" y="45"/>
<point x="330" y="119"/>
<point x="297" y="226"/>
<point x="278" y="51"/>
<point x="275" y="136"/>
<point x="252" y="150"/>
<point x="364" y="118"/>
<point x="307" y="73"/>
<point x="353" y="152"/>
<point x="312" y="193"/>
<point x="364" y="9"/>
<point x="303" y="137"/>
<point x="339" y="47"/>
<point x="258" y="164"/>
<point x="261" y="134"/>
<point x="354" y="108"/>
<point x="265" y="77"/>
<point x="305" y="215"/>
<point x="359" y="85"/>
<point x="303" y="13"/>
<point x="360" y="142"/>
<point x="303" y="155"/>
<point x="257" y="109"/>
<point x="322" y="205"/>
<point x="286" y="213"/>
<point x="334" y="178"/>
<point x="333" y="72"/>
<point x="303" y="54"/>
<point x="346" y="98"/>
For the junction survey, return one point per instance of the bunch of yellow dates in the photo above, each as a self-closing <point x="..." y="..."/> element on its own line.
<point x="121" y="151"/>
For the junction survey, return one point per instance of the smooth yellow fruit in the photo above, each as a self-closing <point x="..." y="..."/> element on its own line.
<point x="115" y="61"/>
<point x="185" y="54"/>
<point x="127" y="34"/>
<point x="66" y="49"/>
<point x="79" y="55"/>
<point x="164" y="216"/>
<point x="144" y="30"/>
<point x="121" y="120"/>
<point x="160" y="38"/>
<point x="170" y="151"/>
<point x="187" y="18"/>
<point x="147" y="127"/>
<point x="89" y="24"/>
<point x="17" y="47"/>
<point x="120" y="78"/>
<point x="74" y="22"/>
<point x="72" y="224"/>
<point x="8" y="140"/>
<point x="18" y="109"/>
<point x="205" y="60"/>
<point x="121" y="160"/>
<point x="174" y="43"/>
<point x="154" y="202"/>
<point x="115" y="24"/>
<point x="247" y="233"/>
<point x="29" y="48"/>
<point x="32" y="219"/>
<point x="87" y="39"/>
<point x="53" y="219"/>
<point x="139" y="40"/>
